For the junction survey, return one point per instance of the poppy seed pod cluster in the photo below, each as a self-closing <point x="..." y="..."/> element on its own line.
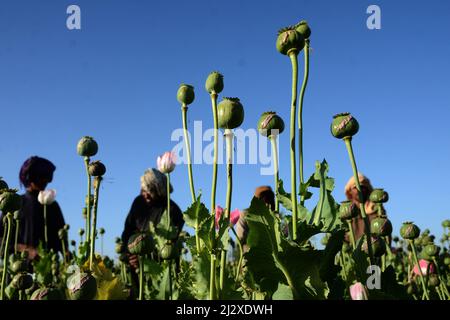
<point x="270" y="124"/>
<point x="214" y="83"/>
<point x="289" y="41"/>
<point x="230" y="113"/>
<point x="185" y="94"/>
<point x="87" y="147"/>
<point x="344" y="125"/>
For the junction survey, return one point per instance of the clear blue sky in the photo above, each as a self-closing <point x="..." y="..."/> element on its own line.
<point x="116" y="80"/>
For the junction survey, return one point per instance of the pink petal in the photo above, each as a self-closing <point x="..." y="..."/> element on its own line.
<point x="234" y="216"/>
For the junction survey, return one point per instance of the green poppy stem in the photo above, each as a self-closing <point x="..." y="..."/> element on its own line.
<point x="5" y="257"/>
<point x="352" y="234"/>
<point x="300" y="114"/>
<point x="97" y="182"/>
<point x="229" y="149"/>
<point x="16" y="239"/>
<point x="63" y="246"/>
<point x="168" y="200"/>
<point x="101" y="244"/>
<point x="184" y="109"/>
<point x="348" y="144"/>
<point x="141" y="278"/>
<point x="45" y="227"/>
<point x="241" y="255"/>
<point x="212" y="281"/>
<point x="273" y="142"/>
<point x="294" y="62"/>
<point x="88" y="215"/>
<point x="441" y="280"/>
<point x="170" y="280"/>
<point x="416" y="260"/>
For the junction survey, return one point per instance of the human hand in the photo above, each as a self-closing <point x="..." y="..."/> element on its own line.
<point x="133" y="260"/>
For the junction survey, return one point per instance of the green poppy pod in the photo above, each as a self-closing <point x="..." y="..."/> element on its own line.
<point x="3" y="184"/>
<point x="381" y="226"/>
<point x="214" y="82"/>
<point x="348" y="210"/>
<point x="81" y="232"/>
<point x="409" y="231"/>
<point x="82" y="286"/>
<point x="47" y="294"/>
<point x="168" y="251"/>
<point x="87" y="147"/>
<point x="10" y="201"/>
<point x="379" y="196"/>
<point x="97" y="169"/>
<point x="344" y="125"/>
<point x="230" y="113"/>
<point x="446" y="223"/>
<point x="289" y="41"/>
<point x="101" y="231"/>
<point x="378" y="246"/>
<point x="303" y="28"/>
<point x="119" y="248"/>
<point x="73" y="243"/>
<point x="433" y="280"/>
<point x="185" y="94"/>
<point x="432" y="250"/>
<point x="427" y="240"/>
<point x="22" y="281"/>
<point x="140" y="244"/>
<point x="447" y="260"/>
<point x="270" y="124"/>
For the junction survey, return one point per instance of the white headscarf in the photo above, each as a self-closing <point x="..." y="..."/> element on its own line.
<point x="155" y="183"/>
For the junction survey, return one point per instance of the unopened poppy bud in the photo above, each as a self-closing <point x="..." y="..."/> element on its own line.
<point x="379" y="196"/>
<point x="97" y="169"/>
<point x="214" y="82"/>
<point x="230" y="113"/>
<point x="87" y="147"/>
<point x="185" y="94"/>
<point x="270" y="124"/>
<point x="303" y="28"/>
<point x="344" y="125"/>
<point x="101" y="231"/>
<point x="81" y="232"/>
<point x="381" y="226"/>
<point x="16" y="215"/>
<point x="66" y="227"/>
<point x="61" y="234"/>
<point x="289" y="41"/>
<point x="73" y="243"/>
<point x="409" y="231"/>
<point x="168" y="251"/>
<point x="10" y="201"/>
<point x="348" y="210"/>
<point x="447" y="260"/>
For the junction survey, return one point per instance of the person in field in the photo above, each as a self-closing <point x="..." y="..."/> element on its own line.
<point x="264" y="193"/>
<point x="148" y="207"/>
<point x="351" y="193"/>
<point x="35" y="174"/>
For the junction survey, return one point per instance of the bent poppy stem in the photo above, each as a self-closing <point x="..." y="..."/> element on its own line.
<point x="184" y="109"/>
<point x="300" y="116"/>
<point x="348" y="144"/>
<point x="294" y="62"/>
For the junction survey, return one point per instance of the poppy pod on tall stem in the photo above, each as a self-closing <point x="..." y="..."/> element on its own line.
<point x="290" y="42"/>
<point x="214" y="85"/>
